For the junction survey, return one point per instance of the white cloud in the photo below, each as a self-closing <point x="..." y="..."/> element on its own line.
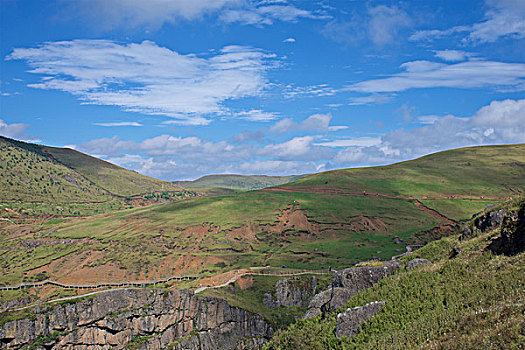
<point x="289" y="40"/>
<point x="315" y="122"/>
<point x="296" y="149"/>
<point x="360" y="141"/>
<point x="314" y="90"/>
<point x="426" y="74"/>
<point x="372" y="99"/>
<point x="132" y="13"/>
<point x="147" y="78"/>
<point x="256" y="115"/>
<point x="15" y="131"/>
<point x="266" y="13"/>
<point x="119" y="124"/>
<point x="501" y="122"/>
<point x="174" y="157"/>
<point x="453" y="55"/>
<point x="503" y="19"/>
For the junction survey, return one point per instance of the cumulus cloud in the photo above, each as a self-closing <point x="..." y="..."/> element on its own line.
<point x="503" y="19"/>
<point x="298" y="148"/>
<point x="289" y="40"/>
<point x="147" y="78"/>
<point x="15" y="131"/>
<point x="315" y="122"/>
<point x="248" y="136"/>
<point x="501" y="122"/>
<point x="426" y="74"/>
<point x="175" y="157"/>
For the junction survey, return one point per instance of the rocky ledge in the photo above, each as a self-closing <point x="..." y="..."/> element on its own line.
<point x="138" y="319"/>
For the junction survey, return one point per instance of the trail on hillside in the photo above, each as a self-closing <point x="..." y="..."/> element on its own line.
<point x="434" y="213"/>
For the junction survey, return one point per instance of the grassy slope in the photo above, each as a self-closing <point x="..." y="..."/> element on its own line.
<point x="473" y="301"/>
<point x="37" y="179"/>
<point x="117" y="180"/>
<point x="240" y="182"/>
<point x="153" y="242"/>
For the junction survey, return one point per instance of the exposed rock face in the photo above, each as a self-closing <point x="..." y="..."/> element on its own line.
<point x="347" y="283"/>
<point x="416" y="262"/>
<point x="291" y="292"/>
<point x="349" y="321"/>
<point x="484" y="222"/>
<point x="141" y="318"/>
<point x="512" y="234"/>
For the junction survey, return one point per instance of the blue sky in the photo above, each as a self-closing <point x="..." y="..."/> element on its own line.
<point x="178" y="89"/>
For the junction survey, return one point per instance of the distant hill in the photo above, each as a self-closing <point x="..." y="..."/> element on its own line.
<point x="238" y="182"/>
<point x="31" y="173"/>
<point x="334" y="218"/>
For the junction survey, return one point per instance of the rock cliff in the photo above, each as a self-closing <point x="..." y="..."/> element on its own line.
<point x="347" y="283"/>
<point x="138" y="319"/>
<point x="291" y="292"/>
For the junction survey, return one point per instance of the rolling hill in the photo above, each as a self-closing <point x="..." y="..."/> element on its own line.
<point x="238" y="182"/>
<point x="32" y="174"/>
<point x="333" y="218"/>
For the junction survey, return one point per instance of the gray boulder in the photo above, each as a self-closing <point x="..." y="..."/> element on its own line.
<point x="349" y="321"/>
<point x="416" y="262"/>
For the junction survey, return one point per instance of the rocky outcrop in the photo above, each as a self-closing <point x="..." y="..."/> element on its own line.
<point x="347" y="283"/>
<point x="291" y="292"/>
<point x="138" y="318"/>
<point x="416" y="262"/>
<point x="484" y="222"/>
<point x="511" y="239"/>
<point x="349" y="321"/>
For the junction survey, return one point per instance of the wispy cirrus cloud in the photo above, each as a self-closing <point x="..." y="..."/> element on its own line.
<point x="427" y="74"/>
<point x="503" y="19"/>
<point x="118" y="124"/>
<point x="148" y="78"/>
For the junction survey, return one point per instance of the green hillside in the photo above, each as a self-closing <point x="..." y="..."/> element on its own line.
<point x="328" y="219"/>
<point x="470" y="301"/>
<point x="240" y="182"/>
<point x="32" y="175"/>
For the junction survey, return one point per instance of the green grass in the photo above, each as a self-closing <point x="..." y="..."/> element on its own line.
<point x="141" y="240"/>
<point x="473" y="301"/>
<point x="237" y="182"/>
<point x="40" y="181"/>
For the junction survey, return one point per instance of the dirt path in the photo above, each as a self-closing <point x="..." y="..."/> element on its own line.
<point x="434" y="213"/>
<point x="280" y="274"/>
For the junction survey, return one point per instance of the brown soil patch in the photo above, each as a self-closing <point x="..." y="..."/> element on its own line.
<point x="244" y="282"/>
<point x="433" y="212"/>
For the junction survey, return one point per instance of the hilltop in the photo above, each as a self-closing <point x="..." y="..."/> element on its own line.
<point x="335" y="218"/>
<point x="38" y="179"/>
<point x="238" y="182"/>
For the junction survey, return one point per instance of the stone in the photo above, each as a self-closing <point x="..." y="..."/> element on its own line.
<point x="159" y="319"/>
<point x="347" y="283"/>
<point x="416" y="262"/>
<point x="349" y="321"/>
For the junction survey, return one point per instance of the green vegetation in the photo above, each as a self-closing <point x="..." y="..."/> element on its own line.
<point x="334" y="219"/>
<point x="471" y="301"/>
<point x="38" y="180"/>
<point x="237" y="182"/>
